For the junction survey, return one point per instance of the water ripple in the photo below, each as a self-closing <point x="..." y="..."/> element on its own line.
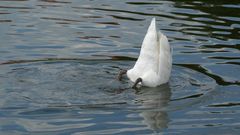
<point x="59" y="61"/>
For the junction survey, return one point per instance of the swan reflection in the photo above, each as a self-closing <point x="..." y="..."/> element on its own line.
<point x="154" y="101"/>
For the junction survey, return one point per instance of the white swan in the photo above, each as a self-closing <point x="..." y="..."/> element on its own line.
<point x="154" y="64"/>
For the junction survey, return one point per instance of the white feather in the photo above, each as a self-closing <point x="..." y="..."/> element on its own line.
<point x="154" y="63"/>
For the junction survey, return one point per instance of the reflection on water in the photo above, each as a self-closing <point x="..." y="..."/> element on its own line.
<point x="155" y="101"/>
<point x="59" y="60"/>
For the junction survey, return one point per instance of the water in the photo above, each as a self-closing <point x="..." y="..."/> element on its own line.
<point x="59" y="61"/>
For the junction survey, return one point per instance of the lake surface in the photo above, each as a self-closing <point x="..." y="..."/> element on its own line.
<point x="59" y="61"/>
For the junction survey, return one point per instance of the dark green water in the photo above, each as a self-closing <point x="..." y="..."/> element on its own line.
<point x="59" y="61"/>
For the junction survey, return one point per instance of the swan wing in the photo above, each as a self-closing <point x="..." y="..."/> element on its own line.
<point x="148" y="58"/>
<point x="165" y="58"/>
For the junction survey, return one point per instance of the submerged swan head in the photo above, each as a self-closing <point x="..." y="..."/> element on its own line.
<point x="154" y="64"/>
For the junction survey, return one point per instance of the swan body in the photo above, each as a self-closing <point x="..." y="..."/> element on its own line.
<point x="154" y="63"/>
